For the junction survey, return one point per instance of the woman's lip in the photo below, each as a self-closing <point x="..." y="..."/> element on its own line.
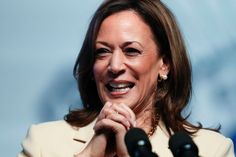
<point x="119" y="93"/>
<point x="119" y="88"/>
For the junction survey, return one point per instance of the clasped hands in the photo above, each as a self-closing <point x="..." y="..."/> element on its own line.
<point x="114" y="120"/>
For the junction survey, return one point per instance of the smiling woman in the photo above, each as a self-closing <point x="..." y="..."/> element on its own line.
<point x="127" y="61"/>
<point x="132" y="71"/>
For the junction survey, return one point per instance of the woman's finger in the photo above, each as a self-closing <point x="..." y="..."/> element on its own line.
<point x="110" y="124"/>
<point x="118" y="112"/>
<point x="105" y="111"/>
<point x="123" y="109"/>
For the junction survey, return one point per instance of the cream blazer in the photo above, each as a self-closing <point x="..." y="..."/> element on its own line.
<point x="59" y="139"/>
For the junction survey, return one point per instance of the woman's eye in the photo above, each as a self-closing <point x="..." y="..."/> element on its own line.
<point x="132" y="51"/>
<point x="101" y="52"/>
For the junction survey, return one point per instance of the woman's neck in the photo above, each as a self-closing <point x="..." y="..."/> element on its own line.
<point x="144" y="119"/>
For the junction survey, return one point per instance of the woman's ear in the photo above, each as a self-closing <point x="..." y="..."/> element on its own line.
<point x="165" y="66"/>
<point x="164" y="69"/>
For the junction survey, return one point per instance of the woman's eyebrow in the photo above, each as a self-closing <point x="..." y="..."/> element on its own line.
<point x="122" y="45"/>
<point x="131" y="42"/>
<point x="103" y="43"/>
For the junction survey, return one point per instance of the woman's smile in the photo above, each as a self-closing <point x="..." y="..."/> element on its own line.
<point x="119" y="87"/>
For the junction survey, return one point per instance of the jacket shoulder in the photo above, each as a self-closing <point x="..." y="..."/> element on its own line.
<point x="211" y="143"/>
<point x="52" y="138"/>
<point x="47" y="127"/>
<point x="51" y="130"/>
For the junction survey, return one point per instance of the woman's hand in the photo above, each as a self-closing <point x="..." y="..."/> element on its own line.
<point x="112" y="124"/>
<point x="95" y="148"/>
<point x="116" y="119"/>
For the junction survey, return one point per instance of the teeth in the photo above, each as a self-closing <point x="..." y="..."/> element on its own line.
<point x="120" y="85"/>
<point x="120" y="90"/>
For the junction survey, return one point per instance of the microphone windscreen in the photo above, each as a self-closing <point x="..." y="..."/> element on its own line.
<point x="181" y="143"/>
<point x="135" y="138"/>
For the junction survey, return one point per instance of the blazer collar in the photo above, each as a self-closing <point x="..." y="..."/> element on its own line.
<point x="84" y="134"/>
<point x="159" y="139"/>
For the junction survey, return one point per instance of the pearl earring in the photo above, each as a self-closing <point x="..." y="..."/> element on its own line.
<point x="163" y="76"/>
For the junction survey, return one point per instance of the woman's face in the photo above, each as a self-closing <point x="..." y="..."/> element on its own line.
<point x="127" y="60"/>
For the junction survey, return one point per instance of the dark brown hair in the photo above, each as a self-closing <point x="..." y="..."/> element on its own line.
<point x="173" y="93"/>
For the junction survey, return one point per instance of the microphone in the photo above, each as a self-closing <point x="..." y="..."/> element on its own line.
<point x="138" y="144"/>
<point x="182" y="145"/>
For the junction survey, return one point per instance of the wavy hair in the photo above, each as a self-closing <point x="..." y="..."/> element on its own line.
<point x="173" y="94"/>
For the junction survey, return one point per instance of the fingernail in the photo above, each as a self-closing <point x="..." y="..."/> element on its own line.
<point x="108" y="104"/>
<point x="127" y="122"/>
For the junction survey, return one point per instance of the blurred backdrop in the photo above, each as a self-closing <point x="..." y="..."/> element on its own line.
<point x="40" y="40"/>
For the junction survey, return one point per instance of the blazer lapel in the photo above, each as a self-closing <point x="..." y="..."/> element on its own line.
<point x="84" y="135"/>
<point x="160" y="140"/>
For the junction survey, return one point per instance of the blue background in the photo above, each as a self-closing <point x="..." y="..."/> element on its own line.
<point x="39" y="42"/>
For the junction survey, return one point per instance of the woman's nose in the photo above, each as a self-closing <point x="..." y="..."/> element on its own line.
<point x="116" y="64"/>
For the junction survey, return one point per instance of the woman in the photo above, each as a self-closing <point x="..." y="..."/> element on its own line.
<point x="132" y="71"/>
